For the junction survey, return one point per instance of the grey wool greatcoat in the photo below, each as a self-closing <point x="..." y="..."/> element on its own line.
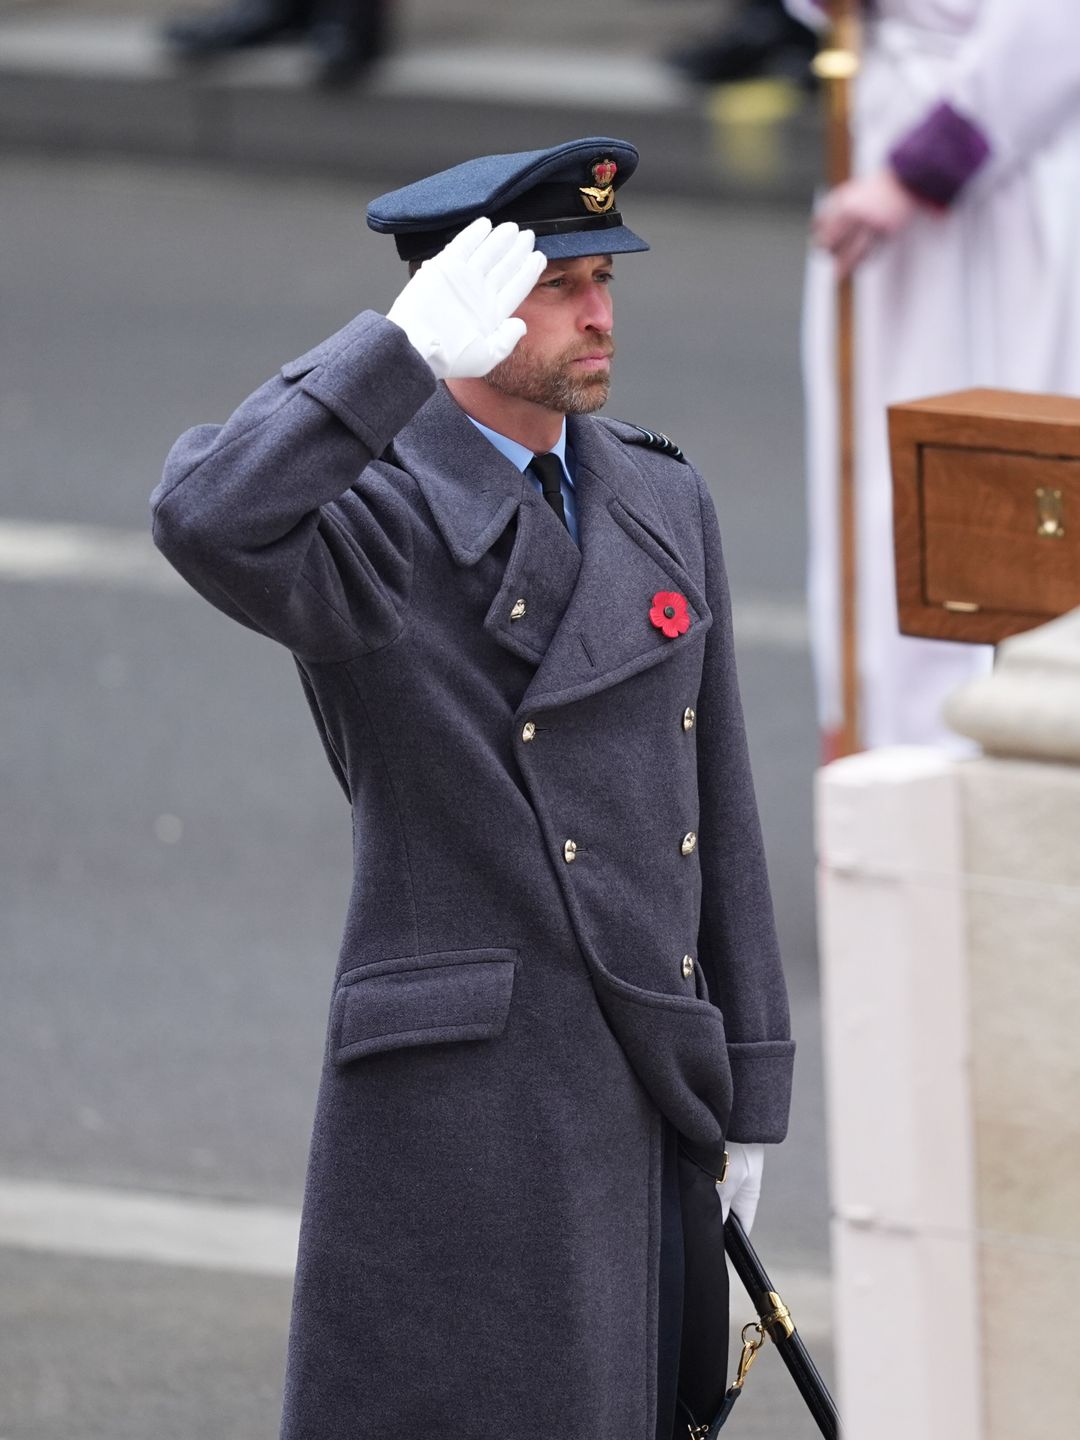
<point x="538" y="963"/>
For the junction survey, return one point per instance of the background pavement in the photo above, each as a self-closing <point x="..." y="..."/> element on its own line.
<point x="174" y="852"/>
<point x="94" y="77"/>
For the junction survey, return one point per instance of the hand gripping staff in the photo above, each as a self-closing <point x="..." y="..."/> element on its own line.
<point x="457" y="309"/>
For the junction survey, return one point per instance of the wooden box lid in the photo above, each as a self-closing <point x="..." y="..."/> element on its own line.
<point x="986" y="512"/>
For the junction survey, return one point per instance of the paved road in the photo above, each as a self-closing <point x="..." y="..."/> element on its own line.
<point x="174" y="853"/>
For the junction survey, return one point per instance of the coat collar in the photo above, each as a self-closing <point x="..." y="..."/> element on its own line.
<point x="472" y="502"/>
<point x="586" y="622"/>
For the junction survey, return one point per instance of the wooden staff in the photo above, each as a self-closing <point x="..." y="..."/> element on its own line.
<point x="836" y="66"/>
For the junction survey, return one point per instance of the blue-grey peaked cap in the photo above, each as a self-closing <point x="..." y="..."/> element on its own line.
<point x="565" y="195"/>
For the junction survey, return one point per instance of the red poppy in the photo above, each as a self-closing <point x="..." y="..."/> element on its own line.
<point x="669" y="613"/>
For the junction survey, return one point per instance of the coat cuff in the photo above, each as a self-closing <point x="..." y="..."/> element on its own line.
<point x="761" y="1079"/>
<point x="938" y="157"/>
<point x="371" y="364"/>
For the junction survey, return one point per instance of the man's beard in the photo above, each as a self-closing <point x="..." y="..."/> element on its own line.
<point x="555" y="384"/>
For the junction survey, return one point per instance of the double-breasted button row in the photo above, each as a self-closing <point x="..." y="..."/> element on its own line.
<point x="689" y="715"/>
<point x="687" y="966"/>
<point x="528" y="734"/>
<point x="689" y="843"/>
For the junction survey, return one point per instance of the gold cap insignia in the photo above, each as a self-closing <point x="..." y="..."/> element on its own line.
<point x="599" y="197"/>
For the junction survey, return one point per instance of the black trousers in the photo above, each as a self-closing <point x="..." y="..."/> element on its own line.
<point x="693" y="1312"/>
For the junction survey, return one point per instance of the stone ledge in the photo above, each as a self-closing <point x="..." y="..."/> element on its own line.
<point x="1029" y="705"/>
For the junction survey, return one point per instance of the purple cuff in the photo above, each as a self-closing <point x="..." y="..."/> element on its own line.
<point x="939" y="157"/>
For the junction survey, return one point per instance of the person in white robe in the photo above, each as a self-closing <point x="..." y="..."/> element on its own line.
<point x="961" y="225"/>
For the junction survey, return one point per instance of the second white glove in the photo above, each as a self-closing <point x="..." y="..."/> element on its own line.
<point x="741" y="1189"/>
<point x="457" y="309"/>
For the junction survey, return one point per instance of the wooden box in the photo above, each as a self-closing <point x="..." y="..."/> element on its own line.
<point x="986" y="509"/>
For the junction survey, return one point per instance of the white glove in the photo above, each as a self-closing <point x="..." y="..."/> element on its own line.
<point x="456" y="309"/>
<point x="741" y="1189"/>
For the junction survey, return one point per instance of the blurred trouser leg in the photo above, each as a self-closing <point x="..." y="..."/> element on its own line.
<point x="761" y="39"/>
<point x="347" y="37"/>
<point x="236" y="26"/>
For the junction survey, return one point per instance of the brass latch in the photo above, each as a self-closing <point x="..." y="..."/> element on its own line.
<point x="1051" y="509"/>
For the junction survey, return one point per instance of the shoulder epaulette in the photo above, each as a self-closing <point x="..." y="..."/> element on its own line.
<point x="654" y="440"/>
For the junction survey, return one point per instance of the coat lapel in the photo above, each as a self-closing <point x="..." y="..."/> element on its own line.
<point x="472" y="504"/>
<point x="627" y="554"/>
<point x="582" y="617"/>
<point x="537" y="584"/>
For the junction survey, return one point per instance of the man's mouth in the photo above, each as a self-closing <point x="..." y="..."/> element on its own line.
<point x="594" y="360"/>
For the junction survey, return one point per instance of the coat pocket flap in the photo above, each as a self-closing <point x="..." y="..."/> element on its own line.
<point x="421" y="1000"/>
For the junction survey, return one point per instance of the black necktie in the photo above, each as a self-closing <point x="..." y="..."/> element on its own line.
<point x="548" y="470"/>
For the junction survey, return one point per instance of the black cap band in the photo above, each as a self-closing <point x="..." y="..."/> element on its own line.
<point x="423" y="244"/>
<point x="571" y="223"/>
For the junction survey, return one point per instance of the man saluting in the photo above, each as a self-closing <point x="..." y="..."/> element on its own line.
<point x="558" y="1006"/>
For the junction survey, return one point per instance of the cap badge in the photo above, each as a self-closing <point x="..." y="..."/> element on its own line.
<point x="599" y="197"/>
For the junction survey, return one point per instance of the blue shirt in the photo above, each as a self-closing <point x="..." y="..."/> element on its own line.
<point x="520" y="455"/>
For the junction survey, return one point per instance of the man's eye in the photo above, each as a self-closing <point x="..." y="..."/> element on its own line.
<point x="605" y="277"/>
<point x="556" y="284"/>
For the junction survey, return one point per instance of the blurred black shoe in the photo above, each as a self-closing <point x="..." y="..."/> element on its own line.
<point x="763" y="39"/>
<point x="238" y="26"/>
<point x="347" y="36"/>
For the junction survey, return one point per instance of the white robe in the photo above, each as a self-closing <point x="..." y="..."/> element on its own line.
<point x="984" y="293"/>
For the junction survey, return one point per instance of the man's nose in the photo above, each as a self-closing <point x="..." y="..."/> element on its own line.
<point x="596" y="311"/>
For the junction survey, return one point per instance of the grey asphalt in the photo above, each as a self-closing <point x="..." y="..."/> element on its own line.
<point x="165" y="987"/>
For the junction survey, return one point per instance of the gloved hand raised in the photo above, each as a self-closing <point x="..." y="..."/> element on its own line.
<point x="741" y="1189"/>
<point x="457" y="308"/>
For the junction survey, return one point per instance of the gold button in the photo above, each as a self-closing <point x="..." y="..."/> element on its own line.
<point x="689" y="843"/>
<point x="518" y="611"/>
<point x="569" y="850"/>
<point x="687" y="966"/>
<point x="688" y="718"/>
<point x="528" y="731"/>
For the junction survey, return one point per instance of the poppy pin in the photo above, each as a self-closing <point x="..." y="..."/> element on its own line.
<point x="669" y="613"/>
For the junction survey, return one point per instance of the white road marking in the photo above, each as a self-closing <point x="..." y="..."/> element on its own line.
<point x="762" y="624"/>
<point x="42" y="552"/>
<point x="133" y="1225"/>
<point x="86" y="554"/>
<point x="102" y="1224"/>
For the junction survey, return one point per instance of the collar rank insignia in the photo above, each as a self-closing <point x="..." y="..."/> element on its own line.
<point x="657" y="440"/>
<point x="599" y="197"/>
